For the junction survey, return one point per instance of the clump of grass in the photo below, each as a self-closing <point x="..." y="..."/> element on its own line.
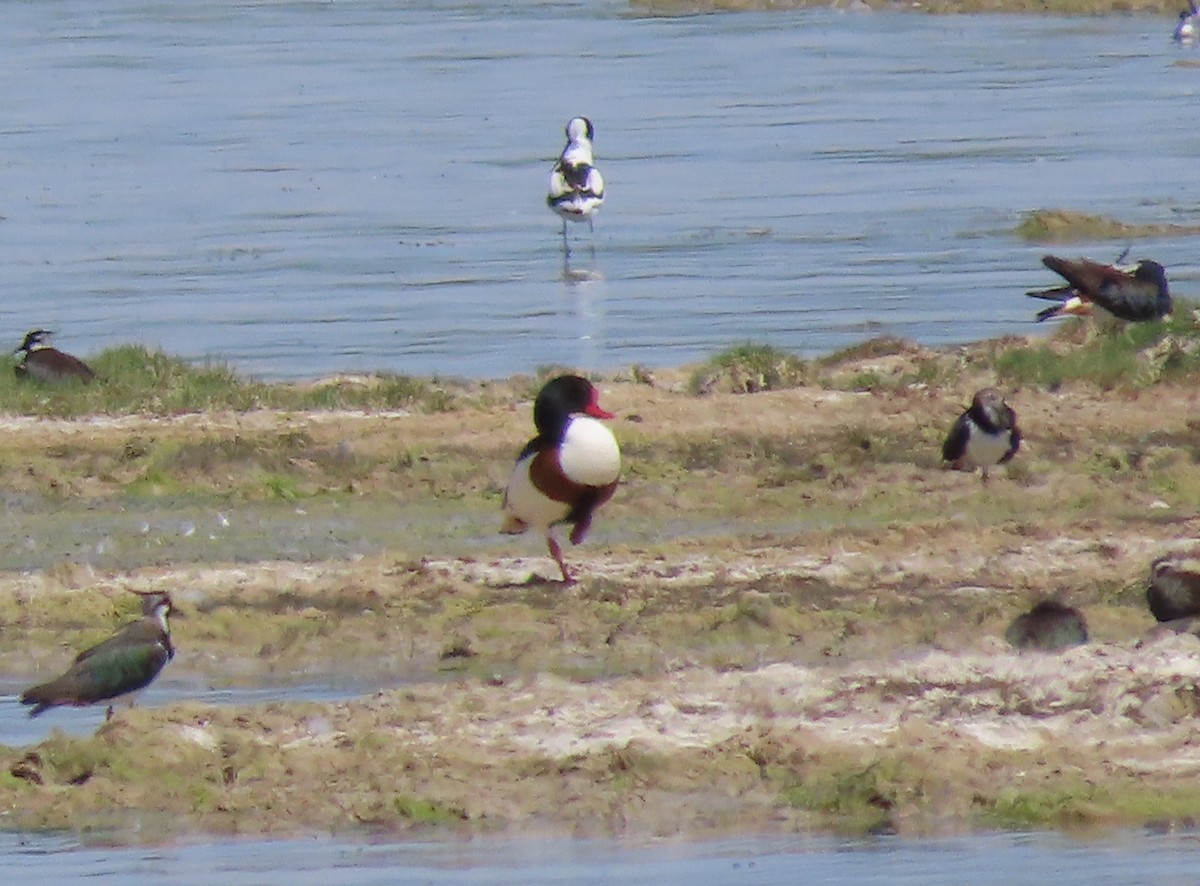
<point x="1108" y="365"/>
<point x="421" y="811"/>
<point x="871" y="349"/>
<point x="1109" y="356"/>
<point x="858" y="798"/>
<point x="132" y="378"/>
<point x="1064" y="226"/>
<point x="750" y="367"/>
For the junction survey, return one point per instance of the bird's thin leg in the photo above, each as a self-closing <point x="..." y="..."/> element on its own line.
<point x="566" y="245"/>
<point x="556" y="553"/>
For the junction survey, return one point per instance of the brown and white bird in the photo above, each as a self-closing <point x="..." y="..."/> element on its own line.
<point x="576" y="186"/>
<point x="126" y="662"/>
<point x="41" y="362"/>
<point x="568" y="470"/>
<point x="984" y="435"/>
<point x="1133" y="293"/>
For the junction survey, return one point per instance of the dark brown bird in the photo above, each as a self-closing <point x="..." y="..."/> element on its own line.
<point x="41" y="362"/>
<point x="1048" y="626"/>
<point x="985" y="434"/>
<point x="126" y="662"/>
<point x="1134" y="294"/>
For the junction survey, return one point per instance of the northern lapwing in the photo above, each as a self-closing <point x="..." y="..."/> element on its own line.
<point x="1173" y="591"/>
<point x="984" y="435"/>
<point x="1048" y="626"/>
<point x="126" y="662"/>
<point x="41" y="362"/>
<point x="576" y="186"/>
<point x="1133" y="294"/>
<point x="568" y="470"/>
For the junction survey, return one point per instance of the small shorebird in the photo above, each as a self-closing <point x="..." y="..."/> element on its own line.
<point x="126" y="662"/>
<point x="1132" y="293"/>
<point x="568" y="470"/>
<point x="44" y="363"/>
<point x="576" y="186"/>
<point x="985" y="434"/>
<point x="1048" y="626"/>
<point x="1174" y="588"/>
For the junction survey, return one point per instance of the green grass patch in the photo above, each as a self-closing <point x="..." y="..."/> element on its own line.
<point x="420" y="811"/>
<point x="750" y="367"/>
<point x="855" y="799"/>
<point x="135" y="379"/>
<point x="1062" y="226"/>
<point x="1085" y="805"/>
<point x="1109" y="356"/>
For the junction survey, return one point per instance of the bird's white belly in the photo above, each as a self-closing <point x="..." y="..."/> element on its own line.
<point x="528" y="503"/>
<point x="985" y="450"/>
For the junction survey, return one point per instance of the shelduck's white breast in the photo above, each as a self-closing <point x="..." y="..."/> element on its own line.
<point x="589" y="452"/>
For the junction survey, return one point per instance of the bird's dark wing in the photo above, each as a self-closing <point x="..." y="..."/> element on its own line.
<point x="142" y="631"/>
<point x="1014" y="438"/>
<point x="104" y="674"/>
<point x="1084" y="275"/>
<point x="1130" y="299"/>
<point x="956" y="442"/>
<point x="1054" y="293"/>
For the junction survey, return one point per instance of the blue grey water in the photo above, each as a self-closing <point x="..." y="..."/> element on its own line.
<point x="303" y="188"/>
<point x="998" y="860"/>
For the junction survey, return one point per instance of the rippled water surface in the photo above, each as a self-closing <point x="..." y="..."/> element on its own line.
<point x="301" y="188"/>
<point x="768" y="861"/>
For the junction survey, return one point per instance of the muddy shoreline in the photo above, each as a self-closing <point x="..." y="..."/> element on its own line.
<point x="791" y="616"/>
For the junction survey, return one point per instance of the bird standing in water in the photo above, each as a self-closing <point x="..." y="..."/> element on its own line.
<point x="127" y="661"/>
<point x="1186" y="27"/>
<point x="568" y="470"/>
<point x="576" y="186"/>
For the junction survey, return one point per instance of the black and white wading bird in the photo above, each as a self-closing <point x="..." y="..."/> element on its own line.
<point x="41" y="362"/>
<point x="984" y="435"/>
<point x="576" y="186"/>
<point x="124" y="663"/>
<point x="568" y="470"/>
<point x="1132" y="293"/>
<point x="1186" y="28"/>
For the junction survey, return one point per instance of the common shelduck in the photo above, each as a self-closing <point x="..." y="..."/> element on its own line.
<point x="568" y="470"/>
<point x="985" y="434"/>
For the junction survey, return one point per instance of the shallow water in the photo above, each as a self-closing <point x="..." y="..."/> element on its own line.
<point x="19" y="730"/>
<point x="301" y="188"/>
<point x="977" y="861"/>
